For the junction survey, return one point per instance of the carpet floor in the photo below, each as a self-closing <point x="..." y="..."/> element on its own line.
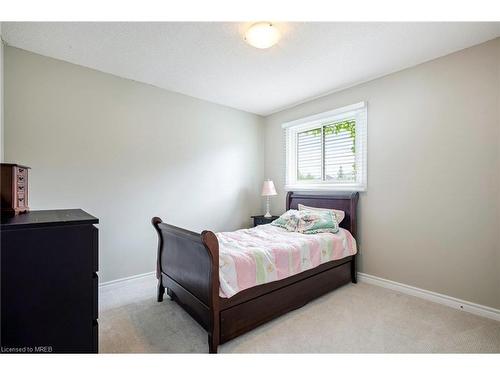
<point x="358" y="318"/>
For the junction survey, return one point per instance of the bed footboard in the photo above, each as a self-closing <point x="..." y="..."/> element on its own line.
<point x="188" y="266"/>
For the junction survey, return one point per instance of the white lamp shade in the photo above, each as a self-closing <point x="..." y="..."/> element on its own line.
<point x="268" y="188"/>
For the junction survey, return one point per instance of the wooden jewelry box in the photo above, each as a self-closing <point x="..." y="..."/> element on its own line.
<point x="14" y="189"/>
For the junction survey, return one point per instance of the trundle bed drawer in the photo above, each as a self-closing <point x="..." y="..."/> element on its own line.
<point x="248" y="315"/>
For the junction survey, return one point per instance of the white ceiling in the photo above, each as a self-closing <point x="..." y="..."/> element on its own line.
<point x="211" y="61"/>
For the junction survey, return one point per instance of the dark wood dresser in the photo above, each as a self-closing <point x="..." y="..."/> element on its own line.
<point x="49" y="261"/>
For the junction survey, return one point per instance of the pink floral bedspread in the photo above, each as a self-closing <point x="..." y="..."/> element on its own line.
<point x="250" y="257"/>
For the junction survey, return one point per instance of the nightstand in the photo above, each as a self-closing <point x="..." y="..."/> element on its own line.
<point x="260" y="219"/>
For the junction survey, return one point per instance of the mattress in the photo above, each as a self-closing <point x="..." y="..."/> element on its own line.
<point x="255" y="256"/>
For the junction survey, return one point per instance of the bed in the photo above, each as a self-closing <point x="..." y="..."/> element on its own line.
<point x="188" y="271"/>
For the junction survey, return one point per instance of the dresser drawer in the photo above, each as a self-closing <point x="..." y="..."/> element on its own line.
<point x="95" y="337"/>
<point x="248" y="315"/>
<point x="95" y="297"/>
<point x="95" y="249"/>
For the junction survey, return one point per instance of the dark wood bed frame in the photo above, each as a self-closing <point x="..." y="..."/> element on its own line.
<point x="188" y="267"/>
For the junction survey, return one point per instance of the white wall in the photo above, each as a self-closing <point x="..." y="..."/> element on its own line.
<point x="430" y="216"/>
<point x="125" y="152"/>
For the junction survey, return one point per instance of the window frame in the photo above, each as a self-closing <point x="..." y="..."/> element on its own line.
<point x="359" y="112"/>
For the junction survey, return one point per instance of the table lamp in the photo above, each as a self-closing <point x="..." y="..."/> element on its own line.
<point x="268" y="190"/>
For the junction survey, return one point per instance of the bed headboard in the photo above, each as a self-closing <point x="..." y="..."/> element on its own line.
<point x="346" y="202"/>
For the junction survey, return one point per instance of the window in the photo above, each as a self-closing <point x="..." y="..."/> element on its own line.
<point x="327" y="151"/>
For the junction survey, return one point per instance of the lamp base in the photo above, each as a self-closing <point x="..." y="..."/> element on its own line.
<point x="268" y="214"/>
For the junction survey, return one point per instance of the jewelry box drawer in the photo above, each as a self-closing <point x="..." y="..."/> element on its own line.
<point x="21" y="177"/>
<point x="21" y="200"/>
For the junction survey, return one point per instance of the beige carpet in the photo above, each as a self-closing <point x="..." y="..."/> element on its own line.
<point x="358" y="318"/>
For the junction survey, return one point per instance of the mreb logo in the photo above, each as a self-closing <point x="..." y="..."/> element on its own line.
<point x="43" y="349"/>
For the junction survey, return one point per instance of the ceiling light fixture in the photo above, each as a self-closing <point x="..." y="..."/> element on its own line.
<point x="262" y="35"/>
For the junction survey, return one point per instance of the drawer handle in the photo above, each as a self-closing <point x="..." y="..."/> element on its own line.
<point x="20" y="187"/>
<point x="21" y="199"/>
<point x="21" y="178"/>
<point x="21" y="170"/>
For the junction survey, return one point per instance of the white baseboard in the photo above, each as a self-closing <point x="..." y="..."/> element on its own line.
<point x="471" y="307"/>
<point x="125" y="280"/>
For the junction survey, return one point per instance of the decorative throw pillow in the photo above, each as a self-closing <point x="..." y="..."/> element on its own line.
<point x="316" y="221"/>
<point x="339" y="215"/>
<point x="289" y="220"/>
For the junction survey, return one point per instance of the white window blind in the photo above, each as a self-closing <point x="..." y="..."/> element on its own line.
<point x="328" y="151"/>
<point x="309" y="154"/>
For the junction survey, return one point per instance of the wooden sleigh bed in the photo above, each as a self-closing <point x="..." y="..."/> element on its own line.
<point x="188" y="268"/>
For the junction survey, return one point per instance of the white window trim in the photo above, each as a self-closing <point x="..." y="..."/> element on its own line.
<point x="293" y="127"/>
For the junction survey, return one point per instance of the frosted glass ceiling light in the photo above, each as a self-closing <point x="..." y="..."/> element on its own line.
<point x="262" y="35"/>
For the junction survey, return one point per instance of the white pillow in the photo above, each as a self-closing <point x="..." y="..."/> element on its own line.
<point x="338" y="213"/>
